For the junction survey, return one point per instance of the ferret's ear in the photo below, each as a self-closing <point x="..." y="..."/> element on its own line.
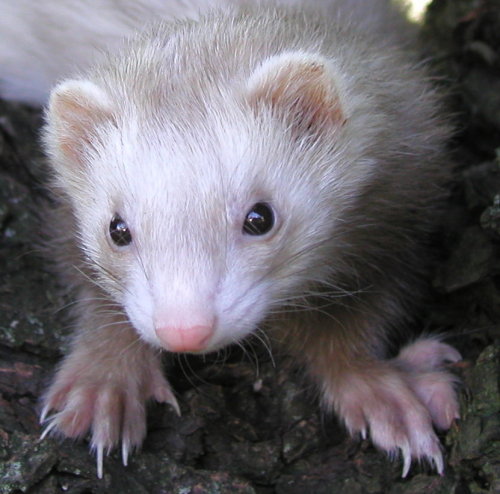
<point x="76" y="109"/>
<point x="300" y="88"/>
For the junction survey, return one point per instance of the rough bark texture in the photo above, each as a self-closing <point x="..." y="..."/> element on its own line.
<point x="249" y="427"/>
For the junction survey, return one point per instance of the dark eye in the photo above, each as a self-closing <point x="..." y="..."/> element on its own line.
<point x="259" y="220"/>
<point x="119" y="232"/>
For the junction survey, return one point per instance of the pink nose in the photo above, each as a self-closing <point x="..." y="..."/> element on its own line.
<point x="179" y="339"/>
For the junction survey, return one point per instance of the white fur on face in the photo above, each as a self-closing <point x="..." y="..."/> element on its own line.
<point x="190" y="262"/>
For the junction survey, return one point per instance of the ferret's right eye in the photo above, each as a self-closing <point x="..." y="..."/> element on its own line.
<point x="119" y="232"/>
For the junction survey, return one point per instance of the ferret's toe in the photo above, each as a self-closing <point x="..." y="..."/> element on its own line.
<point x="437" y="390"/>
<point x="434" y="459"/>
<point x="426" y="354"/>
<point x="423" y="362"/>
<point x="133" y="429"/>
<point x="75" y="418"/>
<point x="412" y="434"/>
<point x="161" y="390"/>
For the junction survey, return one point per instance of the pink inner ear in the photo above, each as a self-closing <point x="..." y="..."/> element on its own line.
<point x="299" y="88"/>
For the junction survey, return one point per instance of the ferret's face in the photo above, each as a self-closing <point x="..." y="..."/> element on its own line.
<point x="201" y="227"/>
<point x="200" y="240"/>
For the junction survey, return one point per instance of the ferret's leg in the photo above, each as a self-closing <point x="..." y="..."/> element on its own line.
<point x="103" y="384"/>
<point x="396" y="401"/>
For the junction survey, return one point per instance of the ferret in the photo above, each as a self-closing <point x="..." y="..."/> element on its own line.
<point x="252" y="168"/>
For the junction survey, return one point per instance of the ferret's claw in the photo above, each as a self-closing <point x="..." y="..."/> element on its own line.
<point x="406" y="453"/>
<point x="125" y="451"/>
<point x="45" y="412"/>
<point x="48" y="429"/>
<point x="439" y="463"/>
<point x="163" y="394"/>
<point x="100" y="460"/>
<point x="175" y="405"/>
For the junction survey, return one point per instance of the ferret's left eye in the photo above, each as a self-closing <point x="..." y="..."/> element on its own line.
<point x="119" y="232"/>
<point x="259" y="220"/>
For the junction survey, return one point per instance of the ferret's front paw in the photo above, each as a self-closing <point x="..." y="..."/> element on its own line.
<point x="423" y="362"/>
<point x="398" y="405"/>
<point x="110" y="401"/>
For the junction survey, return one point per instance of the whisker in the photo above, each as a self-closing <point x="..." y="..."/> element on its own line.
<point x="183" y="361"/>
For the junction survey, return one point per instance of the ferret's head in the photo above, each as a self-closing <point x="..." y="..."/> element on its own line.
<point x="204" y="209"/>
